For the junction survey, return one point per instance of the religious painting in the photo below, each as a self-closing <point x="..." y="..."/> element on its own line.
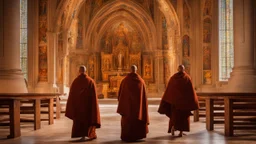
<point x="186" y="53"/>
<point x="136" y="43"/>
<point x="91" y="67"/>
<point x="147" y="67"/>
<point x="79" y="43"/>
<point x="206" y="58"/>
<point x="186" y="16"/>
<point x="43" y="67"/>
<point x="42" y="63"/>
<point x="106" y="61"/>
<point x="207" y="30"/>
<point x="42" y="7"/>
<point x="164" y="34"/>
<point x="121" y="40"/>
<point x="207" y="8"/>
<point x="207" y="76"/>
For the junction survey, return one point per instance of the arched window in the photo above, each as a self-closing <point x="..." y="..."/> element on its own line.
<point x="226" y="41"/>
<point x="23" y="37"/>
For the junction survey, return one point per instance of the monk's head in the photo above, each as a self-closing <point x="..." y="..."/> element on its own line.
<point x="181" y="68"/>
<point x="82" y="69"/>
<point x="134" y="68"/>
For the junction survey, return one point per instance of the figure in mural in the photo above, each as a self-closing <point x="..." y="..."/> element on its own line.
<point x="164" y="34"/>
<point x="206" y="58"/>
<point x="186" y="53"/>
<point x="43" y="7"/>
<point x="120" y="61"/>
<point x="42" y="32"/>
<point x="207" y="77"/>
<point x="207" y="7"/>
<point x="120" y="45"/>
<point x="148" y="68"/>
<point x="186" y="16"/>
<point x="178" y="101"/>
<point x="79" y="43"/>
<point x="43" y="63"/>
<point x="91" y="68"/>
<point x="207" y="30"/>
<point x="106" y="64"/>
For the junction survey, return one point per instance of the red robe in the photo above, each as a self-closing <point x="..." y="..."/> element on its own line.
<point x="82" y="106"/>
<point x="133" y="108"/>
<point x="178" y="100"/>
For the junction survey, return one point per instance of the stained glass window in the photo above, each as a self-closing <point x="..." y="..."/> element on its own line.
<point x="226" y="40"/>
<point x="23" y="37"/>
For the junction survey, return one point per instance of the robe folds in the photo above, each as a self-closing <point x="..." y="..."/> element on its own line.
<point x="133" y="108"/>
<point x="82" y="107"/>
<point x="178" y="100"/>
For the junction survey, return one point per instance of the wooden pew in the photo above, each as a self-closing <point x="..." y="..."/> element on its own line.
<point x="238" y="111"/>
<point x="13" y="101"/>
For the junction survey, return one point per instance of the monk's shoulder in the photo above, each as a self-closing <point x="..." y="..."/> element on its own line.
<point x="90" y="80"/>
<point x="187" y="77"/>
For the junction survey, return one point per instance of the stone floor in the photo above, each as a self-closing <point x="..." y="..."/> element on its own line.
<point x="109" y="133"/>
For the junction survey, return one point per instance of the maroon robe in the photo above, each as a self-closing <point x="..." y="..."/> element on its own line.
<point x="133" y="108"/>
<point x="82" y="107"/>
<point x="178" y="100"/>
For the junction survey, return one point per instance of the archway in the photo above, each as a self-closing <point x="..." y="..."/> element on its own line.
<point x="112" y="16"/>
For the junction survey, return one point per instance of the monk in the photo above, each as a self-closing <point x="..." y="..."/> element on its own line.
<point x="133" y="107"/>
<point x="82" y="107"/>
<point x="178" y="101"/>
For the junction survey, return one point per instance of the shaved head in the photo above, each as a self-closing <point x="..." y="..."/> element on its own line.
<point x="181" y="68"/>
<point x="134" y="68"/>
<point x="82" y="69"/>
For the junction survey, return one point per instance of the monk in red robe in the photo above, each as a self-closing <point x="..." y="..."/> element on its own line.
<point x="178" y="101"/>
<point x="133" y="107"/>
<point x="82" y="107"/>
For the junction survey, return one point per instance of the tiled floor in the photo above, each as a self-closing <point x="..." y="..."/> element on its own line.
<point x="59" y="133"/>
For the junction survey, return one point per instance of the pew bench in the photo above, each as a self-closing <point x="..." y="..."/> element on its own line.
<point x="237" y="111"/>
<point x="12" y="101"/>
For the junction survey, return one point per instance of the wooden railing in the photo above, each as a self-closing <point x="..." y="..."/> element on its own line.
<point x="238" y="110"/>
<point x="13" y="101"/>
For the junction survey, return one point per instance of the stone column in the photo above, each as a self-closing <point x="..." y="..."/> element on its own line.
<point x="11" y="77"/>
<point x="243" y="77"/>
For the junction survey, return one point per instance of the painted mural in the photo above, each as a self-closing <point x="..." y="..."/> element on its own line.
<point x="122" y="40"/>
<point x="207" y="36"/>
<point x="42" y="63"/>
<point x="122" y="35"/>
<point x="207" y="76"/>
<point x="206" y="58"/>
<point x="79" y="43"/>
<point x="164" y="34"/>
<point x="147" y="67"/>
<point x="186" y="53"/>
<point x="186" y="16"/>
<point x="207" y="30"/>
<point x="43" y="40"/>
<point x="207" y="8"/>
<point x="207" y="64"/>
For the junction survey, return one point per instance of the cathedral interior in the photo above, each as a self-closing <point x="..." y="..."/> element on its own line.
<point x="43" y="43"/>
<point x="108" y="36"/>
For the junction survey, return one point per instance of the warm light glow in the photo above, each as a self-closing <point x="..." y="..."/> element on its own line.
<point x="226" y="42"/>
